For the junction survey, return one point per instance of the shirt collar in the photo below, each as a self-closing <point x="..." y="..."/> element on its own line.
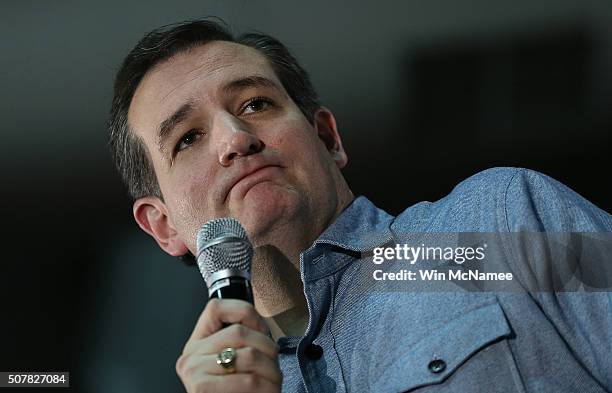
<point x="360" y="228"/>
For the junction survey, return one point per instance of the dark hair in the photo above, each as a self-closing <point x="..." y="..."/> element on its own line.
<point x="128" y="150"/>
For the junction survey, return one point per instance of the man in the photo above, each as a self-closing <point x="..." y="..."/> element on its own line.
<point x="205" y="126"/>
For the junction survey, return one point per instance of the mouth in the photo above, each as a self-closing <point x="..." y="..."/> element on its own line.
<point x="250" y="178"/>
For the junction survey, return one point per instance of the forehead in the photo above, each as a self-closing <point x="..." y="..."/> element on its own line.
<point x="197" y="73"/>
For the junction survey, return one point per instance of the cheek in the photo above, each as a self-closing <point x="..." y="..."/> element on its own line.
<point x="197" y="191"/>
<point x="309" y="160"/>
<point x="296" y="140"/>
<point x="190" y="205"/>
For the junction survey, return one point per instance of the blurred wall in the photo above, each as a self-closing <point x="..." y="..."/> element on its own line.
<point x="426" y="93"/>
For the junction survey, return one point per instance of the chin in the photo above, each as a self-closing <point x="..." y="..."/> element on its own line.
<point x="262" y="212"/>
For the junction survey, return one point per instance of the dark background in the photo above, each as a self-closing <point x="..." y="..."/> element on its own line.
<point x="426" y="93"/>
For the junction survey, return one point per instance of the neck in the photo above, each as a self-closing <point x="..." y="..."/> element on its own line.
<point x="278" y="292"/>
<point x="277" y="284"/>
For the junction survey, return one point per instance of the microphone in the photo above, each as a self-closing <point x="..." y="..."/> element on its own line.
<point x="224" y="258"/>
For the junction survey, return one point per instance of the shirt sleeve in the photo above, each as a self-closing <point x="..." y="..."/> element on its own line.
<point x="576" y="237"/>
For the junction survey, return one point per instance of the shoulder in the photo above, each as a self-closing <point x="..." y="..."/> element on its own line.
<point x="537" y="202"/>
<point x="506" y="199"/>
<point x="476" y="204"/>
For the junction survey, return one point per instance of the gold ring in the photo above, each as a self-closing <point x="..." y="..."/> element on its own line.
<point x="226" y="360"/>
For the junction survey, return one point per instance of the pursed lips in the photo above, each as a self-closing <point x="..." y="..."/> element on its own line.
<point x="246" y="175"/>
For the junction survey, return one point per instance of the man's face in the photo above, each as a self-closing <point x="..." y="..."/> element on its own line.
<point x="225" y="139"/>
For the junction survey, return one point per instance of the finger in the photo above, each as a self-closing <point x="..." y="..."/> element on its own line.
<point x="234" y="336"/>
<point x="233" y="383"/>
<point x="227" y="311"/>
<point x="248" y="360"/>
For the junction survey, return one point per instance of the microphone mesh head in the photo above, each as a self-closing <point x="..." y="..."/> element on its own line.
<point x="223" y="244"/>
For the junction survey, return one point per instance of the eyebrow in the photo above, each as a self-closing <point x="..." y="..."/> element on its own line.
<point x="181" y="114"/>
<point x="249" y="82"/>
<point x="166" y="126"/>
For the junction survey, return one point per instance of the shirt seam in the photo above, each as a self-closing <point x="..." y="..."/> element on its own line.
<point x="333" y="336"/>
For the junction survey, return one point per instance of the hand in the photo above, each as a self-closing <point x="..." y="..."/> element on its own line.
<point x="256" y="365"/>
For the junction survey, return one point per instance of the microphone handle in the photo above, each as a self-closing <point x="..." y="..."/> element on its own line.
<point x="232" y="288"/>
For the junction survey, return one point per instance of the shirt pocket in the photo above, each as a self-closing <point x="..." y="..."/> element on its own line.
<point x="468" y="354"/>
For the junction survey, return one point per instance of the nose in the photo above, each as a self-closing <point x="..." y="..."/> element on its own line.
<point x="235" y="139"/>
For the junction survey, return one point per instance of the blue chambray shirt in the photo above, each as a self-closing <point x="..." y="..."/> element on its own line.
<point x="371" y="341"/>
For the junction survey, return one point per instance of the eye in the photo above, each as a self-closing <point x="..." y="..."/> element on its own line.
<point x="256" y="104"/>
<point x="188" y="139"/>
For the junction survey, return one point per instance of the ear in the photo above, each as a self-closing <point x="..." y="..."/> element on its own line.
<point x="325" y="125"/>
<point x="152" y="216"/>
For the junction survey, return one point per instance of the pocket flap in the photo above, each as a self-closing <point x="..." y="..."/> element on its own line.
<point x="438" y="355"/>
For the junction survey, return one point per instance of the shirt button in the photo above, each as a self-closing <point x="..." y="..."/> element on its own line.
<point x="436" y="366"/>
<point x="313" y="351"/>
